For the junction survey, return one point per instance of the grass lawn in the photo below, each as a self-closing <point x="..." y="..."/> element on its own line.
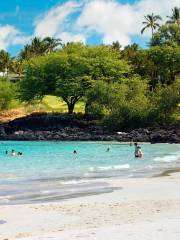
<point x="48" y="104"/>
<point x="51" y="103"/>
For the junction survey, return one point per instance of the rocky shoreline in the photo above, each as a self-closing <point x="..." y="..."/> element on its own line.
<point x="44" y="126"/>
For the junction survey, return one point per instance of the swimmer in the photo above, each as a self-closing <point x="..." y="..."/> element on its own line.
<point x="13" y="152"/>
<point x="6" y="152"/>
<point x="131" y="143"/>
<point x="108" y="149"/>
<point x="75" y="152"/>
<point x="19" y="154"/>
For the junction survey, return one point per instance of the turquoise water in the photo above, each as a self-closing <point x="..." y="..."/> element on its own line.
<point x="49" y="171"/>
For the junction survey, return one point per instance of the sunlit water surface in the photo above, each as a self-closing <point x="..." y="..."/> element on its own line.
<point x="49" y="171"/>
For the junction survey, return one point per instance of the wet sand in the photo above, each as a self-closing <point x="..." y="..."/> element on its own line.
<point x="140" y="208"/>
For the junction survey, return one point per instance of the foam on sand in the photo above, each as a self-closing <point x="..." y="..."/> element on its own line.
<point x="107" y="168"/>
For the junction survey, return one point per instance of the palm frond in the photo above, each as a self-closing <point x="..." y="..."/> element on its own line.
<point x="142" y="31"/>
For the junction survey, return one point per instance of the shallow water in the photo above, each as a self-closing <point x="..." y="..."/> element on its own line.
<point x="49" y="171"/>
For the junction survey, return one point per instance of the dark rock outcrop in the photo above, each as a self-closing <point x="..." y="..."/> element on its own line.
<point x="44" y="126"/>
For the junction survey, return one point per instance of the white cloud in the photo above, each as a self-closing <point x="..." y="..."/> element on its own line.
<point x="77" y="20"/>
<point x="20" y="39"/>
<point x="53" y="22"/>
<point x="68" y="37"/>
<point x="9" y="35"/>
<point x="116" y="21"/>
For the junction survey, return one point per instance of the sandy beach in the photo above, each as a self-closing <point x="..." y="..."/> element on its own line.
<point x="138" y="209"/>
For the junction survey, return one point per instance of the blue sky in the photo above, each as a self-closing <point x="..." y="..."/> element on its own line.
<point x="92" y="22"/>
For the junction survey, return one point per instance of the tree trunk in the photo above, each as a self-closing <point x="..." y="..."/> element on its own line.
<point x="152" y="34"/>
<point x="70" y="107"/>
<point x="87" y="108"/>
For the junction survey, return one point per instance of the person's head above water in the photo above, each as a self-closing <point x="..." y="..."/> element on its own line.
<point x="74" y="151"/>
<point x="135" y="144"/>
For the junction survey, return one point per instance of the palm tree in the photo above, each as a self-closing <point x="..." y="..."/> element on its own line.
<point x="51" y="44"/>
<point x="116" y="45"/>
<point x="175" y="18"/>
<point x="17" y="67"/>
<point x="26" y="53"/>
<point x="151" y="22"/>
<point x="37" y="46"/>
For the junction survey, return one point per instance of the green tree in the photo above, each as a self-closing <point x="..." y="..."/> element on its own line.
<point x="151" y="22"/>
<point x="7" y="93"/>
<point x="26" y="53"/>
<point x="116" y="45"/>
<point x="120" y="105"/>
<point x="168" y="34"/>
<point x="166" y="59"/>
<point x="39" y="47"/>
<point x="51" y="44"/>
<point x="106" y="63"/>
<point x="70" y="72"/>
<point x="17" y="67"/>
<point x="165" y="102"/>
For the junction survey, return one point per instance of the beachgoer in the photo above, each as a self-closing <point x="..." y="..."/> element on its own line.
<point x="6" y="152"/>
<point x="75" y="152"/>
<point x="108" y="149"/>
<point x="136" y="149"/>
<point x="19" y="154"/>
<point x="131" y="143"/>
<point x="139" y="153"/>
<point x="13" y="152"/>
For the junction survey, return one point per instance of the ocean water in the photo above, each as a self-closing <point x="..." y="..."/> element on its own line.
<point x="49" y="171"/>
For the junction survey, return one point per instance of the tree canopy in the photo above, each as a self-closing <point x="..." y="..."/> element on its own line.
<point x="70" y="72"/>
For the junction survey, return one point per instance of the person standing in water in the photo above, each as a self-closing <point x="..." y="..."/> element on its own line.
<point x="138" y="152"/>
<point x="136" y="149"/>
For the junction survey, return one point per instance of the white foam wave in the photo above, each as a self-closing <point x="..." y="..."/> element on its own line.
<point x="46" y="192"/>
<point x="168" y="158"/>
<point x="106" y="168"/>
<point x="74" y="182"/>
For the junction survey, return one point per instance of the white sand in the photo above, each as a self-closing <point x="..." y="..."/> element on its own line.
<point x="144" y="209"/>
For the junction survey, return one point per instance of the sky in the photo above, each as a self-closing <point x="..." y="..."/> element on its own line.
<point x="87" y="21"/>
